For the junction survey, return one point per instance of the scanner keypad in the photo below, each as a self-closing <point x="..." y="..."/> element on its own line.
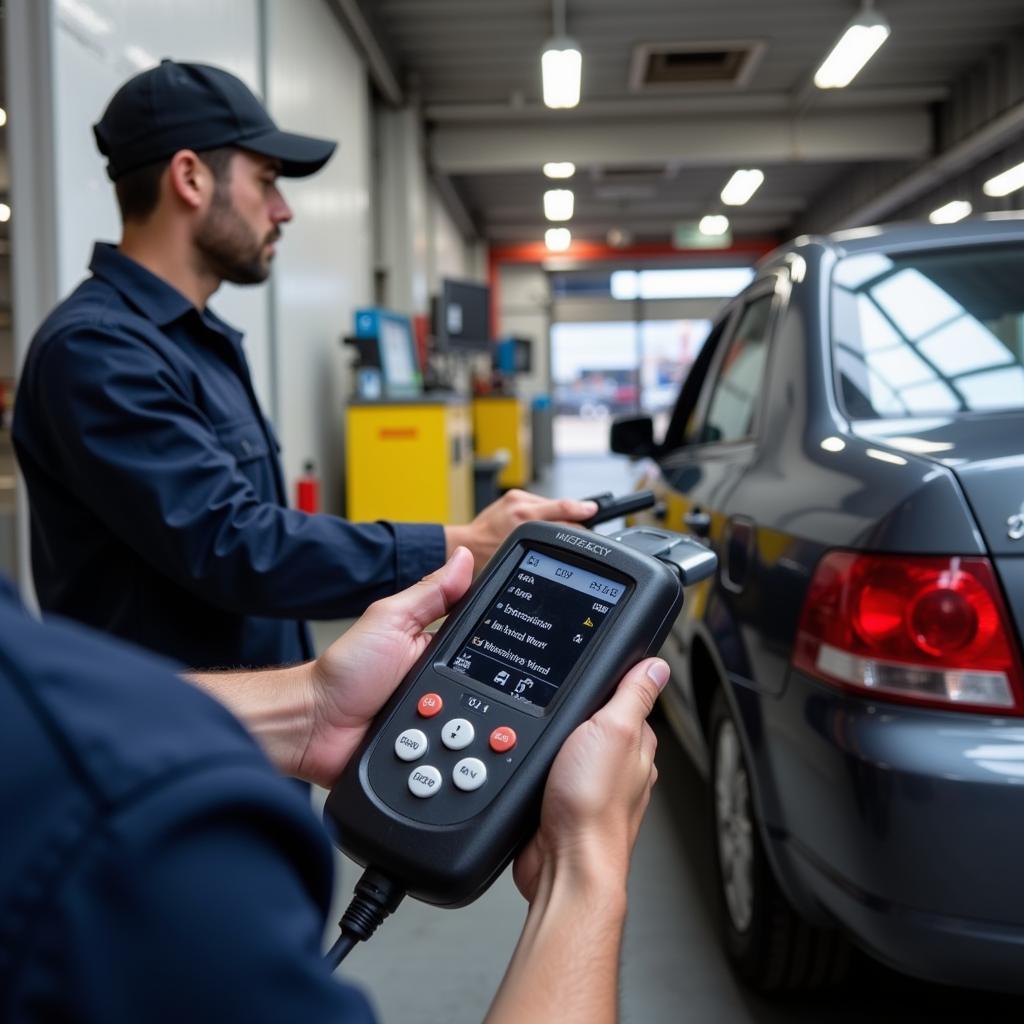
<point x="470" y="773"/>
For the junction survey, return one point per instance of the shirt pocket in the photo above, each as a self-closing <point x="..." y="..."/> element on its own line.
<point x="243" y="440"/>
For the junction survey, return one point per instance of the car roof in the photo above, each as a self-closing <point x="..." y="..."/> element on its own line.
<point x="910" y="235"/>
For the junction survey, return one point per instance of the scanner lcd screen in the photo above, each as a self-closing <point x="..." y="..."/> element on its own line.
<point x="545" y="616"/>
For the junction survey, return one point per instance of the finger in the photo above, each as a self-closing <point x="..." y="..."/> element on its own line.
<point x="638" y="692"/>
<point x="566" y="510"/>
<point x="430" y="599"/>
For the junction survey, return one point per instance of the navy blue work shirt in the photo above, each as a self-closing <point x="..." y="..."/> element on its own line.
<point x="154" y="867"/>
<point x="158" y="509"/>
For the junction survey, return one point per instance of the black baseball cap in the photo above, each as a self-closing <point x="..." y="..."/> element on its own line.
<point x="194" y="106"/>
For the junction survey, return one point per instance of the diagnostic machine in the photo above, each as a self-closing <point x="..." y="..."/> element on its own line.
<point x="446" y="786"/>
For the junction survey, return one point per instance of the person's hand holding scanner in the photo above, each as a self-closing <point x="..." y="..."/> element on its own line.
<point x="310" y="718"/>
<point x="574" y="870"/>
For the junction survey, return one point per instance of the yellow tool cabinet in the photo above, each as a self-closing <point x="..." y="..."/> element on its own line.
<point x="409" y="460"/>
<point x="502" y="422"/>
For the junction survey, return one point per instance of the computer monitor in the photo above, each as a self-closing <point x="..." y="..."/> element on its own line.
<point x="462" y="317"/>
<point x="513" y="355"/>
<point x="396" y="348"/>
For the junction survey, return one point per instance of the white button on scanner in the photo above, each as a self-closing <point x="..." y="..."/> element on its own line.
<point x="457" y="734"/>
<point x="469" y="774"/>
<point x="424" y="781"/>
<point x="411" y="745"/>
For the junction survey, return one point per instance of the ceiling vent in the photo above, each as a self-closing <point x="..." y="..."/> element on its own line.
<point x="682" y="67"/>
<point x="627" y="183"/>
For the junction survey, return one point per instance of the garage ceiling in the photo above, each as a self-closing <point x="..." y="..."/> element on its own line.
<point x="650" y="157"/>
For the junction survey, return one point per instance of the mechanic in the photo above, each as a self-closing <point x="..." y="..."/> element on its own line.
<point x="158" y="508"/>
<point x="158" y="869"/>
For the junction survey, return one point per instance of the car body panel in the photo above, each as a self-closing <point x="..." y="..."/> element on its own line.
<point x="917" y="819"/>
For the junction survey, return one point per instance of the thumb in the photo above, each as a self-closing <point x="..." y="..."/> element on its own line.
<point x="638" y="691"/>
<point x="431" y="598"/>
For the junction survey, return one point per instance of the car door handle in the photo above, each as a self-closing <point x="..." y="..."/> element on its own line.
<point x="698" y="522"/>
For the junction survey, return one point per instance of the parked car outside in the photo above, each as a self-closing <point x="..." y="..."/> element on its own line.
<point x="851" y="443"/>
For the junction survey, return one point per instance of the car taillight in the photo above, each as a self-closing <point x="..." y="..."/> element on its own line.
<point x="931" y="630"/>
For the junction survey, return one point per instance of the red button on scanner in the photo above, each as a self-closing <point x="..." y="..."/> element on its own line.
<point x="430" y="704"/>
<point x="503" y="738"/>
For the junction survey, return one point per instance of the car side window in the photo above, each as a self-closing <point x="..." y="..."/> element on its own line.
<point x="680" y="428"/>
<point x="740" y="377"/>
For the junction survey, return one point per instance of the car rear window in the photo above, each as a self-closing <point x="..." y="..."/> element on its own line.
<point x="929" y="333"/>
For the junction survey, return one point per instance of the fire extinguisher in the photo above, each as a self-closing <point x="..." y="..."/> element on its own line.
<point x="307" y="489"/>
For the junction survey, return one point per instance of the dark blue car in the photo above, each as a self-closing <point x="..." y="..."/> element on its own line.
<point x="851" y="443"/>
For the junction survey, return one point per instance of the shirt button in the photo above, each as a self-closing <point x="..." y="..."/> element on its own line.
<point x="503" y="739"/>
<point x="430" y="704"/>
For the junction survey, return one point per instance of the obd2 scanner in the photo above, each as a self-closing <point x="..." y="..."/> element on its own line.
<point x="447" y="784"/>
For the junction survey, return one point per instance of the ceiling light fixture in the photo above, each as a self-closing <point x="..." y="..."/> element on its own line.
<point x="558" y="204"/>
<point x="560" y="170"/>
<point x="5" y="213"/>
<point x="1005" y="183"/>
<point x="856" y="46"/>
<point x="3" y="117"/>
<point x="561" y="64"/>
<point x="558" y="239"/>
<point x="741" y="186"/>
<point x="951" y="212"/>
<point x="713" y="224"/>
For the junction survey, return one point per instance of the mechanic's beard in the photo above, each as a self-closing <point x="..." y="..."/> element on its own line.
<point x="229" y="247"/>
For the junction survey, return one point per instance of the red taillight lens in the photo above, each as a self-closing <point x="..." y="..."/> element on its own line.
<point x="929" y="629"/>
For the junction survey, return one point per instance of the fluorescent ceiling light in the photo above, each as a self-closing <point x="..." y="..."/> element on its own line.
<point x="697" y="283"/>
<point x="713" y="224"/>
<point x="1005" y="183"/>
<point x="561" y="68"/>
<point x="558" y="239"/>
<point x="140" y="58"/>
<point x="741" y="186"/>
<point x="82" y="16"/>
<point x="5" y="213"/>
<point x="951" y="212"/>
<point x="3" y="117"/>
<point x="560" y="170"/>
<point x="558" y="204"/>
<point x="857" y="45"/>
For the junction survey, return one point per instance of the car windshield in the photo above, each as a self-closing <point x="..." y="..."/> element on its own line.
<point x="932" y="332"/>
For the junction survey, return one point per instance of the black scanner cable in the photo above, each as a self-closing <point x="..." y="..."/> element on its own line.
<point x="376" y="896"/>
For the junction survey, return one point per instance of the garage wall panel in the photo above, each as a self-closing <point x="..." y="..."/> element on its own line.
<point x="323" y="270"/>
<point x="96" y="48"/>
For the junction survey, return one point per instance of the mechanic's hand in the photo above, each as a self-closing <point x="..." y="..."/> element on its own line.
<point x="598" y="788"/>
<point x="356" y="675"/>
<point x="486" y="532"/>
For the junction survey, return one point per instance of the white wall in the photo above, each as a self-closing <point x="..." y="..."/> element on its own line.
<point x="403" y="213"/>
<point x="97" y="46"/>
<point x="524" y="297"/>
<point x="448" y="250"/>
<point x="323" y="270"/>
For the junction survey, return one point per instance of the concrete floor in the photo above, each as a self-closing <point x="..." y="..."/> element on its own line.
<point x="427" y="966"/>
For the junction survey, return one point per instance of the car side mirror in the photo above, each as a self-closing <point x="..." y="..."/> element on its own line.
<point x="633" y="436"/>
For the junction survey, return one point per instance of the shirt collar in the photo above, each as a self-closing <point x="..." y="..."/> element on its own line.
<point x="151" y="295"/>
